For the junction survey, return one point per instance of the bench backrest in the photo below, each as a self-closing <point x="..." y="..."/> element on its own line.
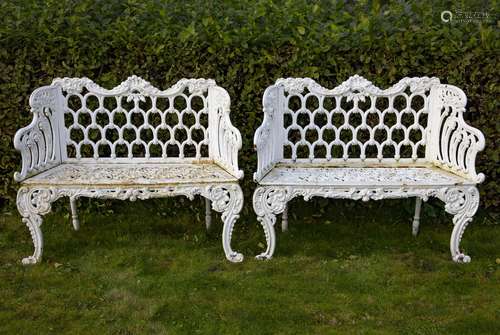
<point x="355" y="120"/>
<point x="353" y="123"/>
<point x="75" y="120"/>
<point x="135" y="120"/>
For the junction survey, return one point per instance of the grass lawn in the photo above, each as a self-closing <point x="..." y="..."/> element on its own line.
<point x="342" y="269"/>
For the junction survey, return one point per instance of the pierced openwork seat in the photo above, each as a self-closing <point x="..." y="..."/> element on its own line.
<point x="131" y="142"/>
<point x="356" y="176"/>
<point x="132" y="174"/>
<point x="360" y="142"/>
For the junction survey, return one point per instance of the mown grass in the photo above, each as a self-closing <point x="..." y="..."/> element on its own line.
<point x="356" y="270"/>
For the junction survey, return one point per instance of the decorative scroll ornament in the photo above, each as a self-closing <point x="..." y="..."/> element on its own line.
<point x="38" y="142"/>
<point x="458" y="143"/>
<point x="43" y="97"/>
<point x="133" y="84"/>
<point x="357" y="83"/>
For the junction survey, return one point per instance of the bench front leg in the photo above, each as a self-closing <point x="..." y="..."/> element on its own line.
<point x="268" y="201"/>
<point x="32" y="204"/>
<point x="228" y="200"/>
<point x="462" y="202"/>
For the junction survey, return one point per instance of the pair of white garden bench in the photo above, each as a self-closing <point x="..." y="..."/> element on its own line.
<point x="355" y="141"/>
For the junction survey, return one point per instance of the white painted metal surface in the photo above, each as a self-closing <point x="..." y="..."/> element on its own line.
<point x="131" y="174"/>
<point x="355" y="176"/>
<point x="131" y="142"/>
<point x="357" y="141"/>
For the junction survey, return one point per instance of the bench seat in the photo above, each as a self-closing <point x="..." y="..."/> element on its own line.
<point x="361" y="176"/>
<point x="131" y="174"/>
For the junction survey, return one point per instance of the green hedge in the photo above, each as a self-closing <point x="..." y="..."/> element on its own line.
<point x="245" y="46"/>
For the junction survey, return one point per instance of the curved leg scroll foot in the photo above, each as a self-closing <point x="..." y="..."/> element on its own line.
<point x="227" y="199"/>
<point x="32" y="204"/>
<point x="267" y="222"/>
<point x="456" y="237"/>
<point x="463" y="204"/>
<point x="268" y="201"/>
<point x="34" y="222"/>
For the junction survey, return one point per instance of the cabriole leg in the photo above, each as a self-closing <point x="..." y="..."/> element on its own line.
<point x="416" y="217"/>
<point x="463" y="204"/>
<point x="208" y="214"/>
<point x="284" y="220"/>
<point x="267" y="203"/>
<point x="227" y="199"/>
<point x="74" y="213"/>
<point x="32" y="204"/>
<point x="267" y="222"/>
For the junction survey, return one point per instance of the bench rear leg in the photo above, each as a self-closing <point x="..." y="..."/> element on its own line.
<point x="284" y="219"/>
<point x="416" y="217"/>
<point x="74" y="213"/>
<point x="208" y="214"/>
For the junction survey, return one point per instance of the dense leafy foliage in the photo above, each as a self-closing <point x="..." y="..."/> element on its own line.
<point x="245" y="46"/>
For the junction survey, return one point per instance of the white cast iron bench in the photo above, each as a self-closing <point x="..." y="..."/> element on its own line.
<point x="131" y="142"/>
<point x="357" y="141"/>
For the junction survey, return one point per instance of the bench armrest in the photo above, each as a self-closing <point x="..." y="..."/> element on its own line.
<point x="224" y="138"/>
<point x="39" y="142"/>
<point x="269" y="137"/>
<point x="452" y="144"/>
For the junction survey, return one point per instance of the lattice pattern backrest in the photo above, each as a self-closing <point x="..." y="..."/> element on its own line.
<point x="136" y="119"/>
<point x="355" y="119"/>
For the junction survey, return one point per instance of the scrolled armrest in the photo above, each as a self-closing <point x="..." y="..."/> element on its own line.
<point x="39" y="142"/>
<point x="456" y="143"/>
<point x="268" y="138"/>
<point x="225" y="139"/>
